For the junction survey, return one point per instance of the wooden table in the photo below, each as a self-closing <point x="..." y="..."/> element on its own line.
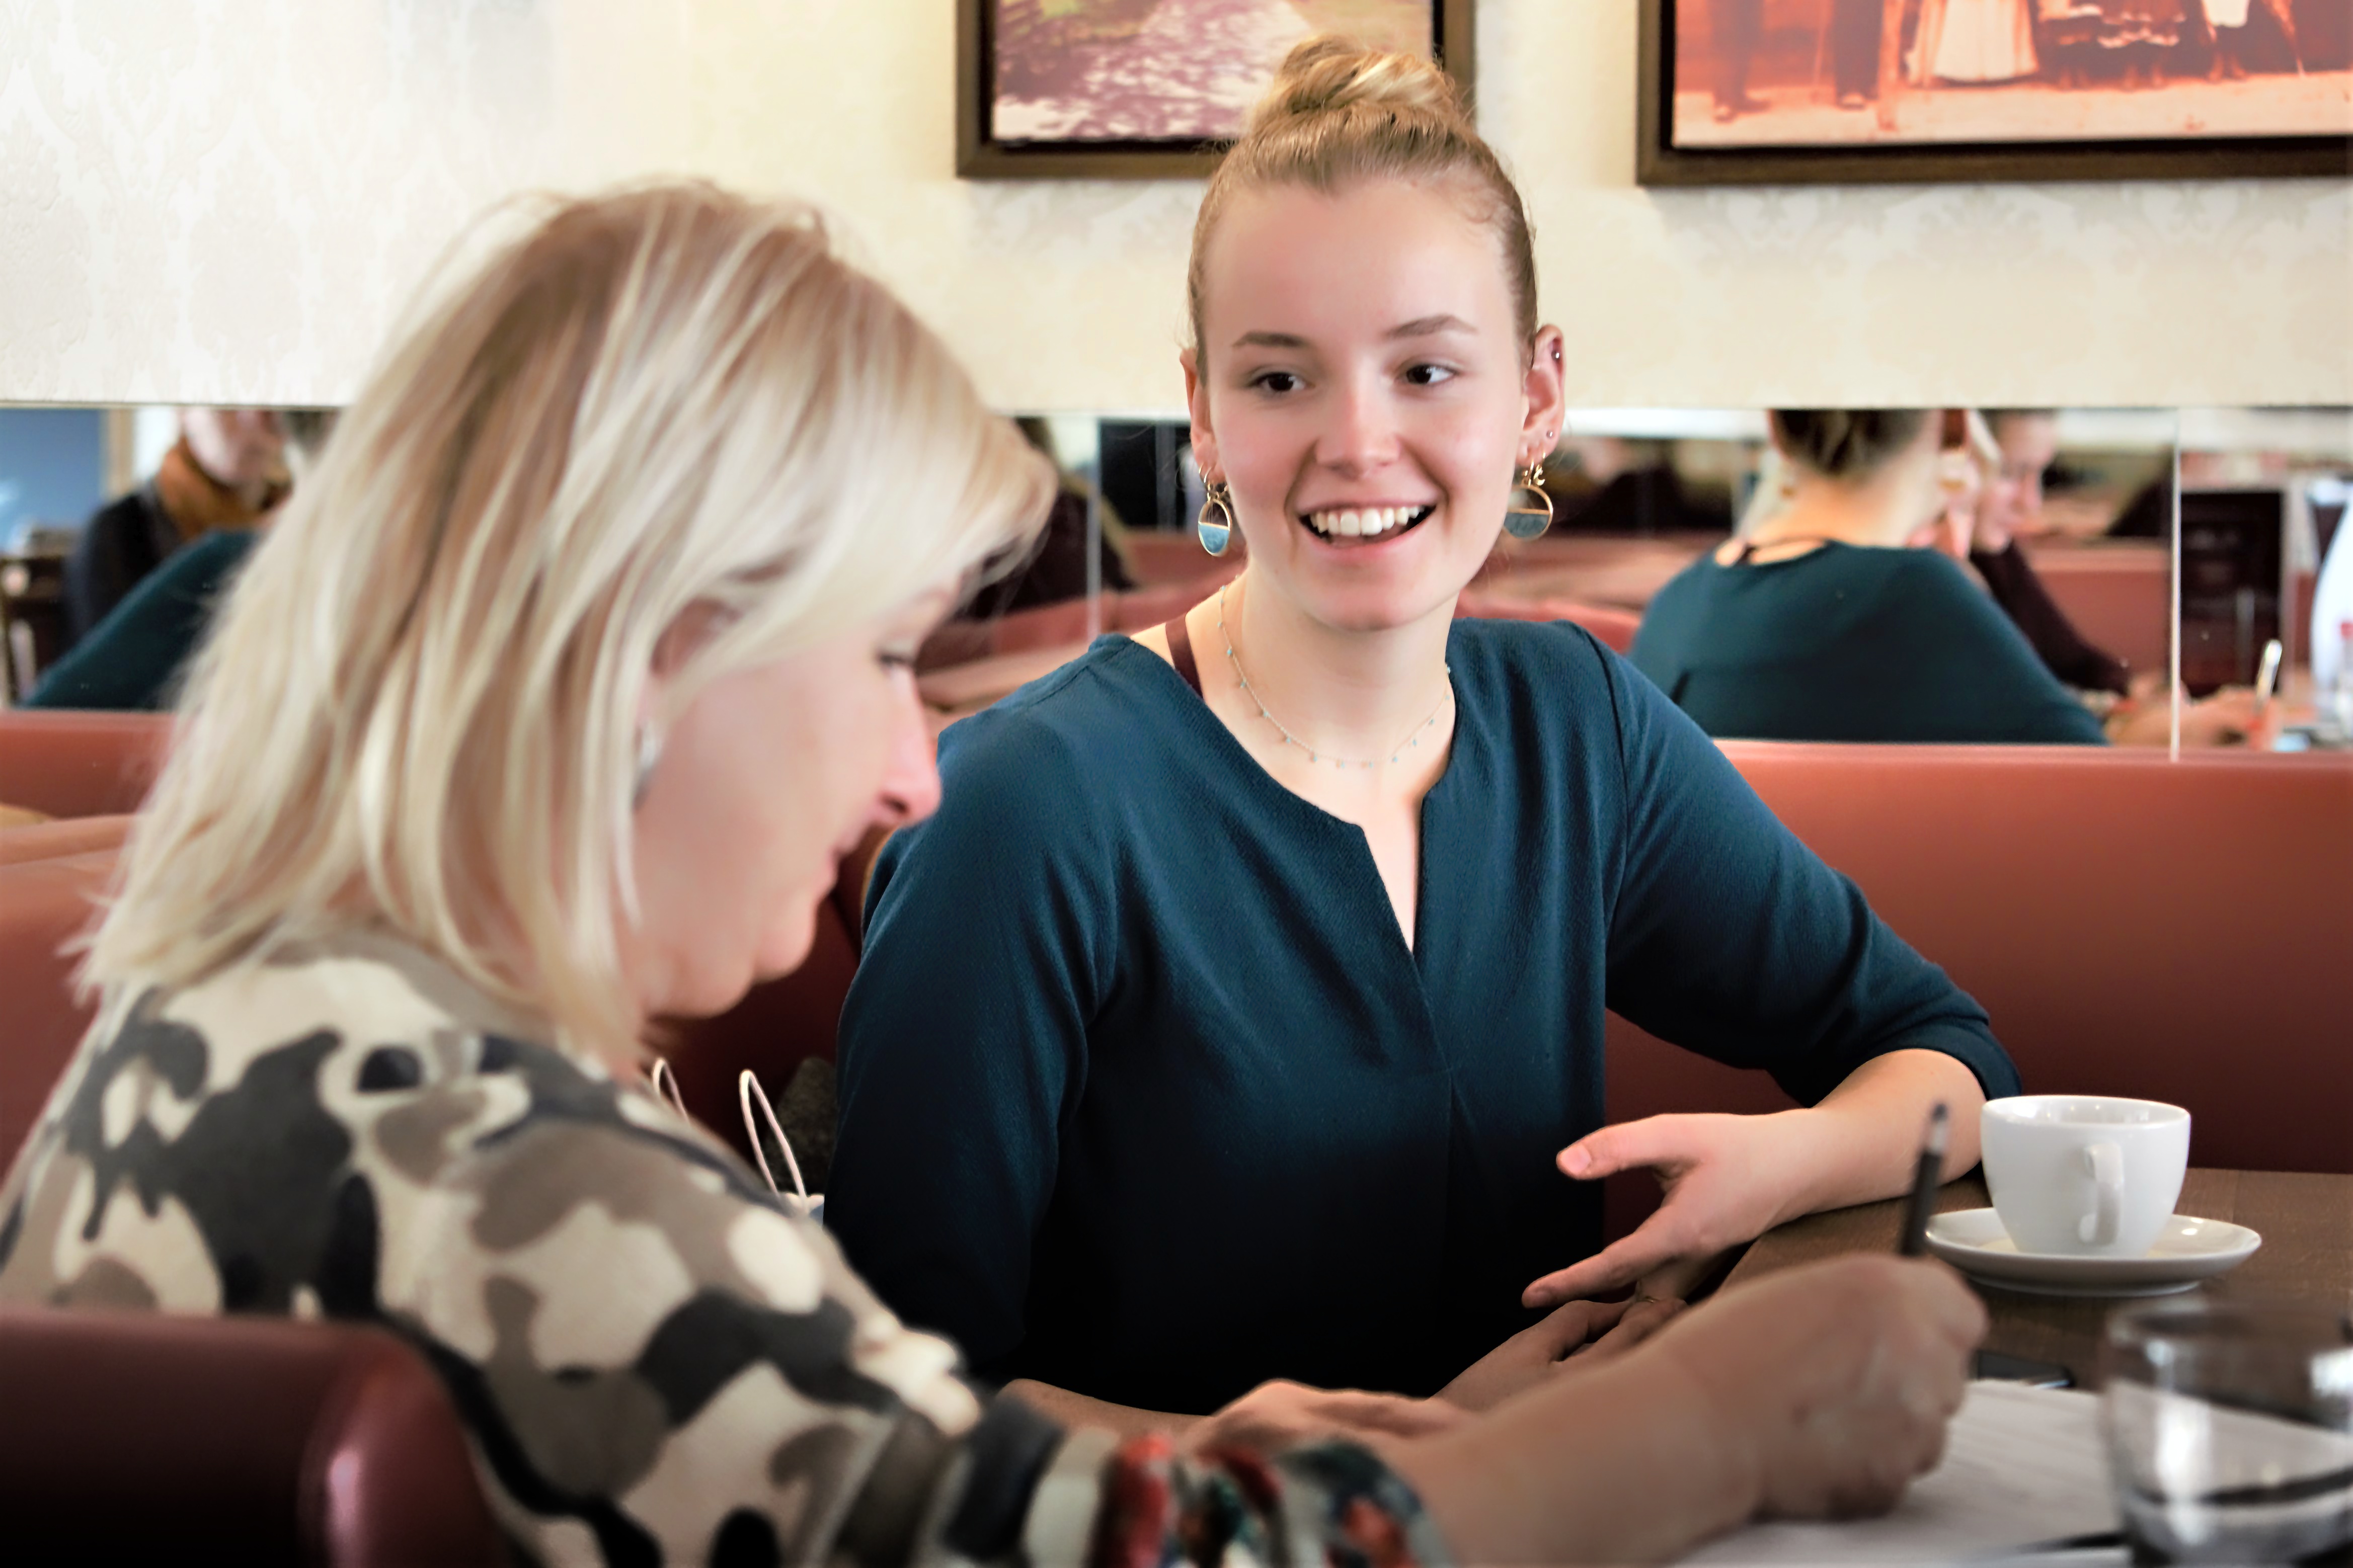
<point x="2306" y="1221"/>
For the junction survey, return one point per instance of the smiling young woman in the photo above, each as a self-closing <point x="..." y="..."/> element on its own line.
<point x="1288" y="929"/>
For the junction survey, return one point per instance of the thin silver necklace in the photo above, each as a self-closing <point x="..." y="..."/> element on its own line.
<point x="1289" y="739"/>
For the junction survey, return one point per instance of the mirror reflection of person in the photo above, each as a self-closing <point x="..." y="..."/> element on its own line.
<point x="1826" y="623"/>
<point x="615" y="683"/>
<point x="224" y="472"/>
<point x="1239" y="1015"/>
<point x="2013" y="450"/>
<point x="132" y="657"/>
<point x="2026" y="444"/>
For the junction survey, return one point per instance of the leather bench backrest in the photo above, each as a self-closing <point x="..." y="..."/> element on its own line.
<point x="43" y="905"/>
<point x="2173" y="930"/>
<point x="139" y="1436"/>
<point x="73" y="763"/>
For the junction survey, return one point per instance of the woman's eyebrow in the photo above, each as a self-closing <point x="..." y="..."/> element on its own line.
<point x="1429" y="326"/>
<point x="1420" y="327"/>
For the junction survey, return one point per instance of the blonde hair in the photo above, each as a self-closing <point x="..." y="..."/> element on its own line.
<point x="418" y="710"/>
<point x="1339" y="114"/>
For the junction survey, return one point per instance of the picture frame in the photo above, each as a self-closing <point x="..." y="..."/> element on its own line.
<point x="985" y="151"/>
<point x="2080" y="115"/>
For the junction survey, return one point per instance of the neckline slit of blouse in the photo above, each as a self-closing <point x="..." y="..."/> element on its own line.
<point x="1188" y="670"/>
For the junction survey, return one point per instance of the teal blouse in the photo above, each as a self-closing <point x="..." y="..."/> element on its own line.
<point x="1143" y="1094"/>
<point x="1847" y="643"/>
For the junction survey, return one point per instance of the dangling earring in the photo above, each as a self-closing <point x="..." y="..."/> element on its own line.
<point x="650" y="750"/>
<point x="1217" y="532"/>
<point x="1524" y="521"/>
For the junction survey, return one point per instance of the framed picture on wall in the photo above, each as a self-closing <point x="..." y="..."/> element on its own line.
<point x="1851" y="91"/>
<point x="1149" y="89"/>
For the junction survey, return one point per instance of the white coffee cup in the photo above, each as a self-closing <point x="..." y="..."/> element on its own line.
<point x="2089" y="1176"/>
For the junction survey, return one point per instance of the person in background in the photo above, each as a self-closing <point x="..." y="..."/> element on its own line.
<point x="2008" y="501"/>
<point x="225" y="471"/>
<point x="132" y="659"/>
<point x="2024" y="444"/>
<point x="551" y="707"/>
<point x="1239" y="1015"/>
<point x="1992" y="481"/>
<point x="1825" y="623"/>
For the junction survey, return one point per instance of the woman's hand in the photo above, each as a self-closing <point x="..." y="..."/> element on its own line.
<point x="1729" y="1179"/>
<point x="1726" y="1180"/>
<point x="2224" y="718"/>
<point x="1280" y="1414"/>
<point x="1580" y="1335"/>
<point x="1818" y="1389"/>
<point x="1840" y="1378"/>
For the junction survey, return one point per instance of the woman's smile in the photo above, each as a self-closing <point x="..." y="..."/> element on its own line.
<point x="1357" y="527"/>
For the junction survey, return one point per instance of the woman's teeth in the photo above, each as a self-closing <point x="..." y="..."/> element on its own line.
<point x="1369" y="523"/>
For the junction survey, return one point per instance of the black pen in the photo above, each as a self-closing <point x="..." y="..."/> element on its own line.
<point x="1924" y="1185"/>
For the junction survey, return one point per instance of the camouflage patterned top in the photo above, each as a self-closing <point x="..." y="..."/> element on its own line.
<point x="653" y="1362"/>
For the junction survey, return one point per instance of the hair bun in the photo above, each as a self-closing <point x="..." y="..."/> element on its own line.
<point x="1328" y="72"/>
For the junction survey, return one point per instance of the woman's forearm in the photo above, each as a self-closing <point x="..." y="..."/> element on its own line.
<point x="1627" y="1462"/>
<point x="1075" y="1410"/>
<point x="1865" y="1134"/>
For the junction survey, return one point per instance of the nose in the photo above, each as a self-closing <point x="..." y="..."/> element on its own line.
<point x="1362" y="437"/>
<point x="911" y="783"/>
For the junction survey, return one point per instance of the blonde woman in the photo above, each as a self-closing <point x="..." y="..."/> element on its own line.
<point x="549" y="709"/>
<point x="1240" y="1015"/>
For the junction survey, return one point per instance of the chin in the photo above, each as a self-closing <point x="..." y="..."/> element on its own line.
<point x="1394" y="585"/>
<point x="788" y="945"/>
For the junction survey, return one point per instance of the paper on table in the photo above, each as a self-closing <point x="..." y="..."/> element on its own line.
<point x="2021" y="1466"/>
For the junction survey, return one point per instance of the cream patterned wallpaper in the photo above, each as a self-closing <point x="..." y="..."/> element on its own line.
<point x="231" y="200"/>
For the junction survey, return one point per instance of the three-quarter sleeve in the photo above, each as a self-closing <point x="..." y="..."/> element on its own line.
<point x="1731" y="938"/>
<point x="964" y="1040"/>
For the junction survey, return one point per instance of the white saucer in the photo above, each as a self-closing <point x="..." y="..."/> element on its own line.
<point x="2187" y="1250"/>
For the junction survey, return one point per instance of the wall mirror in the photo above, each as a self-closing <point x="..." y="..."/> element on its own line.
<point x="2197" y="551"/>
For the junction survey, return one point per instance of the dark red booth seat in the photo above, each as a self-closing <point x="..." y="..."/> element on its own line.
<point x="135" y="1437"/>
<point x="71" y="764"/>
<point x="43" y="904"/>
<point x="2173" y="930"/>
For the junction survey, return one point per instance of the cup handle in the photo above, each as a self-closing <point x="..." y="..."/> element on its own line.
<point x="2104" y="1163"/>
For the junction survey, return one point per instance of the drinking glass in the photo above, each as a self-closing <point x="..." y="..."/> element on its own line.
<point x="2229" y="1431"/>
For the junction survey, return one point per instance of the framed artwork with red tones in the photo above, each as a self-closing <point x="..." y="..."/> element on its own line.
<point x="1871" y="91"/>
<point x="1149" y="89"/>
